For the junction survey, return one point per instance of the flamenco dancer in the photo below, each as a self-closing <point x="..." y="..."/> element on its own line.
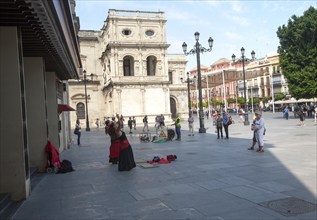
<point x="120" y="149"/>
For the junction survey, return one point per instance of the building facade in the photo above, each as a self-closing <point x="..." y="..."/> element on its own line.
<point x="39" y="53"/>
<point x="129" y="71"/>
<point x="223" y="80"/>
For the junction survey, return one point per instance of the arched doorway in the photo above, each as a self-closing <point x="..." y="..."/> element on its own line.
<point x="173" y="107"/>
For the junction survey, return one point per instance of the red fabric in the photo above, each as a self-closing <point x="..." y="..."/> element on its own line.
<point x="55" y="160"/>
<point x="162" y="161"/>
<point x="114" y="149"/>
<point x="124" y="144"/>
<point x="170" y="157"/>
<point x="117" y="146"/>
<point x="64" y="108"/>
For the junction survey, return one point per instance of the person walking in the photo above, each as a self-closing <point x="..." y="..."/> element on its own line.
<point x="301" y="115"/>
<point x="134" y="122"/>
<point x="78" y="131"/>
<point x="130" y="122"/>
<point x="240" y="113"/>
<point x="315" y="113"/>
<point x="145" y="123"/>
<point x="191" y="124"/>
<point x="178" y="127"/>
<point x="219" y="126"/>
<point x="225" y="122"/>
<point x="285" y="111"/>
<point x="162" y="121"/>
<point x="259" y="128"/>
<point x="97" y="123"/>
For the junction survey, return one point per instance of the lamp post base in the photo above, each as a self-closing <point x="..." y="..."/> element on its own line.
<point x="246" y="119"/>
<point x="87" y="129"/>
<point x="202" y="130"/>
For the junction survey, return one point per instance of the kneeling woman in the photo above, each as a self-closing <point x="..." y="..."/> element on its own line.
<point x="120" y="141"/>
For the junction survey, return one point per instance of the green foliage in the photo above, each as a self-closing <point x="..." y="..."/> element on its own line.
<point x="265" y="100"/>
<point x="241" y="100"/>
<point x="205" y="104"/>
<point x="279" y="96"/>
<point x="298" y="54"/>
<point x="231" y="100"/>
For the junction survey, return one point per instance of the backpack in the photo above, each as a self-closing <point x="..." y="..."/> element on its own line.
<point x="66" y="166"/>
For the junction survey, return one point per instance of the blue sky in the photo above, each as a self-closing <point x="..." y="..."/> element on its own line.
<point x="232" y="24"/>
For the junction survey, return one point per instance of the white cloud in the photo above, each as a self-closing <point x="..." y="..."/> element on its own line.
<point x="240" y="20"/>
<point x="233" y="35"/>
<point x="237" y="6"/>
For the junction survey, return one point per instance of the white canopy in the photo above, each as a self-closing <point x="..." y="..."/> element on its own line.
<point x="291" y="101"/>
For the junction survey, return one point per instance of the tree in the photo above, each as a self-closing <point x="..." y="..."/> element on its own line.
<point x="298" y="54"/>
<point x="279" y="96"/>
<point x="265" y="100"/>
<point x="241" y="100"/>
<point x="231" y="100"/>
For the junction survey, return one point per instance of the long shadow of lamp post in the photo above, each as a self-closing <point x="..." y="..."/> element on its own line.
<point x="243" y="59"/>
<point x="197" y="50"/>
<point x="87" y="119"/>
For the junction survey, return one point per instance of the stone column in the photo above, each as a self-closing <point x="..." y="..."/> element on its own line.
<point x="119" y="101"/>
<point x="14" y="155"/>
<point x="167" y="100"/>
<point x="143" y="101"/>
<point x="36" y="114"/>
<point x="52" y="115"/>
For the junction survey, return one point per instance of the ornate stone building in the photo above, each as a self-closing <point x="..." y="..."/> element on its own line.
<point x="129" y="71"/>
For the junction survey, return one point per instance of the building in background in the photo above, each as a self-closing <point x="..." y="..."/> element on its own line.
<point x="129" y="71"/>
<point x="223" y="80"/>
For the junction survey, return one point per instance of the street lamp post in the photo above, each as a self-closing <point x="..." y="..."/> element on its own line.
<point x="87" y="119"/>
<point x="251" y="87"/>
<point x="197" y="50"/>
<point x="243" y="59"/>
<point x="188" y="81"/>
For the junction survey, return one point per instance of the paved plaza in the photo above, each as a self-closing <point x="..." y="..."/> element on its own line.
<point x="211" y="179"/>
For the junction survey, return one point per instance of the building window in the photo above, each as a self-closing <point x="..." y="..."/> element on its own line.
<point x="170" y="76"/>
<point x="128" y="66"/>
<point x="126" y="32"/>
<point x="151" y="65"/>
<point x="149" y="33"/>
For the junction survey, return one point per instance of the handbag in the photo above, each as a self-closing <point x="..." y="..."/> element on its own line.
<point x="230" y="120"/>
<point x="76" y="131"/>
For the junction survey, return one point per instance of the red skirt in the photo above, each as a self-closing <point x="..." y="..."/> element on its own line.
<point x="114" y="149"/>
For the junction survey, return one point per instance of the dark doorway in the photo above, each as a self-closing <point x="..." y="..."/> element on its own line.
<point x="173" y="107"/>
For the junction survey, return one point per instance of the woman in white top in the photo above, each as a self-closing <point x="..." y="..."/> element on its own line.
<point x="78" y="128"/>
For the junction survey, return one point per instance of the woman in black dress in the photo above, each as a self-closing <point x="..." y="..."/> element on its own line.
<point x="126" y="159"/>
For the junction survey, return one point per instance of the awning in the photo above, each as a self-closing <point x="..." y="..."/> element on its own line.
<point x="64" y="108"/>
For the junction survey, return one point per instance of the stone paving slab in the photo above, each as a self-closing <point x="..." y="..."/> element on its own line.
<point x="211" y="178"/>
